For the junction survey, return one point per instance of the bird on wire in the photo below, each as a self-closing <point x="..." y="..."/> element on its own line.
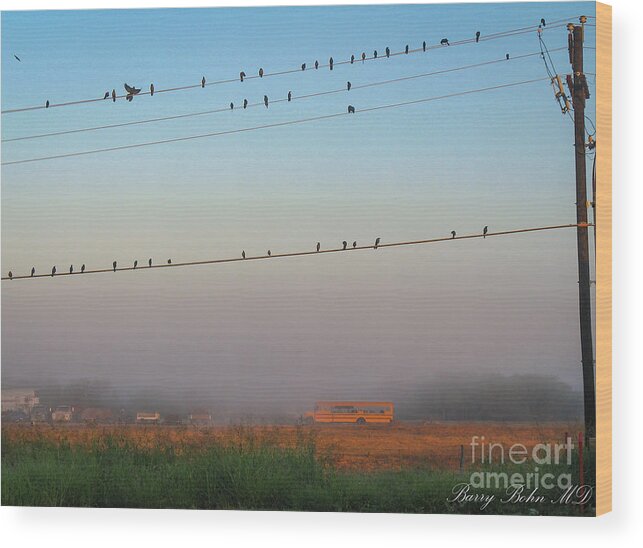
<point x="542" y="22"/>
<point x="82" y="269"/>
<point x="507" y="56"/>
<point x="352" y="59"/>
<point x="303" y="66"/>
<point x="245" y="103"/>
<point x="269" y="254"/>
<point x="231" y="106"/>
<point x="363" y="57"/>
<point x="33" y="271"/>
<point x="318" y="246"/>
<point x="243" y="254"/>
<point x="131" y="90"/>
<point x="330" y="63"/>
<point x="149" y="263"/>
<point x="10" y="275"/>
<point x="344" y="243"/>
<point x="114" y="266"/>
<point x="424" y="46"/>
<point x="477" y="37"/>
<point x="135" y="264"/>
<point x="169" y="261"/>
<point x="289" y="96"/>
<point x="375" y="54"/>
<point x="348" y="86"/>
<point x="351" y="109"/>
<point x="316" y="65"/>
<point x="354" y="244"/>
<point x="151" y="90"/>
<point x="406" y="49"/>
<point x="53" y="271"/>
<point x="260" y="73"/>
<point x="484" y="231"/>
<point x="265" y="100"/>
<point x="377" y="242"/>
<point x="453" y="234"/>
<point x="388" y="51"/>
<point x="203" y="82"/>
<point x="444" y="41"/>
<point x="242" y="75"/>
<point x="106" y="95"/>
<point x="113" y="96"/>
<point x="71" y="268"/>
<point x="47" y="104"/>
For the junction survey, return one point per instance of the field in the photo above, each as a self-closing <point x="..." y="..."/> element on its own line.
<point x="398" y="468"/>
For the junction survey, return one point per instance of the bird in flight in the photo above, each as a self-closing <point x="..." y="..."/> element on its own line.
<point x="348" y="86"/>
<point x="354" y="245"/>
<point x="33" y="270"/>
<point x="203" y="82"/>
<point x="260" y="73"/>
<point x="242" y="75"/>
<point x="265" y="100"/>
<point x="149" y="263"/>
<point x="106" y="95"/>
<point x="132" y="90"/>
<point x="114" y="266"/>
<point x="151" y="90"/>
<point x="388" y="51"/>
<point x="351" y="109"/>
<point x="453" y="234"/>
<point x="318" y="246"/>
<point x="444" y="41"/>
<point x="135" y="264"/>
<point x="18" y="58"/>
<point x="243" y="254"/>
<point x="330" y="63"/>
<point x="289" y="96"/>
<point x="82" y="269"/>
<point x="10" y="275"/>
<point x="71" y="269"/>
<point x="53" y="271"/>
<point x="344" y="243"/>
<point x="484" y="231"/>
<point x="377" y="242"/>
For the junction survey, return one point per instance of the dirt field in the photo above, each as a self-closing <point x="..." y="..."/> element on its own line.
<point x="351" y="447"/>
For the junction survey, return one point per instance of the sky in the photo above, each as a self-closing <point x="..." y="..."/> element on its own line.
<point x="282" y="333"/>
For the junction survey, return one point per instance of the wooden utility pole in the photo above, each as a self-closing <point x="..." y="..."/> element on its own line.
<point x="579" y="96"/>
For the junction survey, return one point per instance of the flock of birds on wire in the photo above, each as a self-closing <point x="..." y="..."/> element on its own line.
<point x="133" y="90"/>
<point x="243" y="256"/>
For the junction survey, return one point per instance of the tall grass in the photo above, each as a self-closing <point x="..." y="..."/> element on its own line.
<point x="114" y="472"/>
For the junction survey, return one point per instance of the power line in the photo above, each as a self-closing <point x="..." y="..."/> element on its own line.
<point x="260" y="103"/>
<point x="302" y="253"/>
<point x="493" y="36"/>
<point x="273" y="125"/>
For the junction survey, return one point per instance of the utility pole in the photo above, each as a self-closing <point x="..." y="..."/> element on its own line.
<point x="579" y="94"/>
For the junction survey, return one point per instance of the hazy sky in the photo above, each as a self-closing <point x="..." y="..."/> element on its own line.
<point x="303" y="328"/>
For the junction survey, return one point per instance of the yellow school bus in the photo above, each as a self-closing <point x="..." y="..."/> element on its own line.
<point x="360" y="412"/>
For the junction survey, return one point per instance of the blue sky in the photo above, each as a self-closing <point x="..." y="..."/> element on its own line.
<point x="501" y="158"/>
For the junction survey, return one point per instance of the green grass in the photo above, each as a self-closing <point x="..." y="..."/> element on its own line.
<point x="115" y="473"/>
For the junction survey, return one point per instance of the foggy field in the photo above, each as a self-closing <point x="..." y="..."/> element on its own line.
<point x="402" y="468"/>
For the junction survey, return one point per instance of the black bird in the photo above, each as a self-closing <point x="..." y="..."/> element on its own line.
<point x="344" y="243"/>
<point x="388" y="51"/>
<point x="318" y="246"/>
<point x="484" y="231"/>
<point x="82" y="269"/>
<point x="245" y="103"/>
<point x="351" y="109"/>
<point x="203" y="82"/>
<point x="242" y="75"/>
<point x="330" y="63"/>
<point x="149" y="263"/>
<point x="113" y="95"/>
<point x="33" y="270"/>
<point x="151" y="90"/>
<point x="507" y="57"/>
<point x="243" y="254"/>
<point x="289" y="96"/>
<point x="375" y="54"/>
<point x="406" y="49"/>
<point x="348" y="86"/>
<point x="114" y="266"/>
<point x="265" y="100"/>
<point x="352" y="59"/>
<point x="377" y="242"/>
<point x="424" y="46"/>
<point x="354" y="245"/>
<point x="71" y="269"/>
<point x="106" y="95"/>
<point x="10" y="275"/>
<point x="47" y="104"/>
<point x="135" y="264"/>
<point x="231" y="106"/>
<point x="363" y="57"/>
<point x="269" y="254"/>
<point x="53" y="271"/>
<point x="316" y="65"/>
<point x="260" y="73"/>
<point x="477" y="36"/>
<point x="444" y="41"/>
<point x="542" y="22"/>
<point x="303" y="66"/>
<point x="169" y="261"/>
<point x="131" y="90"/>
<point x="18" y="58"/>
<point x="453" y="234"/>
